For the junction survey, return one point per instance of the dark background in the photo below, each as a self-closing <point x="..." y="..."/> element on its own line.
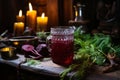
<point x="62" y="12"/>
<point x="8" y="11"/>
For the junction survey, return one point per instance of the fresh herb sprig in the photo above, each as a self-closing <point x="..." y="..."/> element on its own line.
<point x="98" y="47"/>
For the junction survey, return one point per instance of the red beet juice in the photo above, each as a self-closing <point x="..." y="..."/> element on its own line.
<point x="62" y="49"/>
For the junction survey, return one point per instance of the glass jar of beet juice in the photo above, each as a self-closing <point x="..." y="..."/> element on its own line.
<point x="62" y="45"/>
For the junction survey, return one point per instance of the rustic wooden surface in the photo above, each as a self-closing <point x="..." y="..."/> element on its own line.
<point x="47" y="67"/>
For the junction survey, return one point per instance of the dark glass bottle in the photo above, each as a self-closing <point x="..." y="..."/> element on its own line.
<point x="79" y="12"/>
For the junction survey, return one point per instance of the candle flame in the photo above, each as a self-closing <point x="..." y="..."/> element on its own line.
<point x="30" y="7"/>
<point x="43" y="15"/>
<point x="20" y="13"/>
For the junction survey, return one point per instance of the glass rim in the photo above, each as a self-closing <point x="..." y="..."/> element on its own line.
<point x="61" y="28"/>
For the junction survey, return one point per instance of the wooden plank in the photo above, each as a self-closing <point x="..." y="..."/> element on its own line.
<point x="48" y="68"/>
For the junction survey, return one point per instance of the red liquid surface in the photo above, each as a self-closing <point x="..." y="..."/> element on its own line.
<point x="62" y="51"/>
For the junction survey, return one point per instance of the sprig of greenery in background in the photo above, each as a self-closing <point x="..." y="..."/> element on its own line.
<point x="90" y="49"/>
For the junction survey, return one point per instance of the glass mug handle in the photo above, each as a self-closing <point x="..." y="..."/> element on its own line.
<point x="48" y="42"/>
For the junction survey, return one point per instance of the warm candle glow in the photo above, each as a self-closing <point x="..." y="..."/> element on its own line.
<point x="8" y="52"/>
<point x="76" y="12"/>
<point x="20" y="17"/>
<point x="15" y="43"/>
<point x="43" y="15"/>
<point x="30" y="7"/>
<point x="18" y="28"/>
<point x="20" y="13"/>
<point x="6" y="49"/>
<point x="42" y="22"/>
<point x="31" y="18"/>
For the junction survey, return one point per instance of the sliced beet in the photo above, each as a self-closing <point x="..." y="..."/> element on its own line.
<point x="30" y="48"/>
<point x="27" y="47"/>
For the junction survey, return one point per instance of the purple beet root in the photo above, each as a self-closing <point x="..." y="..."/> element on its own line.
<point x="30" y="51"/>
<point x="27" y="47"/>
<point x="43" y="50"/>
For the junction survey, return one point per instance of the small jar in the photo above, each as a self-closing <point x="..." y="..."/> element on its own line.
<point x="8" y="53"/>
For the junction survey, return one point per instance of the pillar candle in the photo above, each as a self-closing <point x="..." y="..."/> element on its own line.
<point x="42" y="22"/>
<point x="31" y="18"/>
<point x="18" y="28"/>
<point x="20" y="17"/>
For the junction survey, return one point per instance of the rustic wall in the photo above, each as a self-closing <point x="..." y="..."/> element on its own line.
<point x="50" y="7"/>
<point x="59" y="12"/>
<point x="8" y="12"/>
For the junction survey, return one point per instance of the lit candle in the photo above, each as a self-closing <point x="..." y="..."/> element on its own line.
<point x="31" y="18"/>
<point x="42" y="22"/>
<point x="20" y="17"/>
<point x="18" y="28"/>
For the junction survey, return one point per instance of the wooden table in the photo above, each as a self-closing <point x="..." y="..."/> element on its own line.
<point x="48" y="68"/>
